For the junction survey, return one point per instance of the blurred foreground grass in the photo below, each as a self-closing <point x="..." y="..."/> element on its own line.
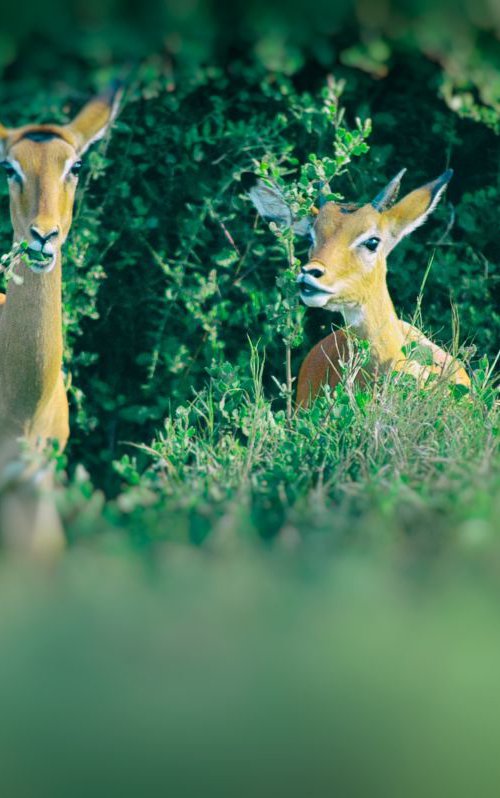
<point x="245" y="675"/>
<point x="356" y="653"/>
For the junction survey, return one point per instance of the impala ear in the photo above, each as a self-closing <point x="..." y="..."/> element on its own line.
<point x="272" y="205"/>
<point x="93" y="121"/>
<point x="414" y="209"/>
<point x="389" y="193"/>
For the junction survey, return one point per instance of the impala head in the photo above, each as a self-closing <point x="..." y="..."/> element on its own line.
<point x="42" y="163"/>
<point x="350" y="245"/>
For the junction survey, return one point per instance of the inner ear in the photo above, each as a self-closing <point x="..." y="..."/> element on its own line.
<point x="93" y="121"/>
<point x="272" y="205"/>
<point x="268" y="199"/>
<point x="414" y="209"/>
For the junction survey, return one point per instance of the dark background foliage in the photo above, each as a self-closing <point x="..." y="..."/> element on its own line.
<point x="167" y="269"/>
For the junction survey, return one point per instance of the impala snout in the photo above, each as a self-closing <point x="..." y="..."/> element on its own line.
<point x="315" y="270"/>
<point x="42" y="246"/>
<point x="41" y="237"/>
<point x="312" y="291"/>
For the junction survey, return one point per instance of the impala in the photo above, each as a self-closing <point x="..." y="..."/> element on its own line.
<point x="42" y="163"/>
<point x="347" y="272"/>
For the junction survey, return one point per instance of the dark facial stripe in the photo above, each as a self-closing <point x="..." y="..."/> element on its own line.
<point x="40" y="135"/>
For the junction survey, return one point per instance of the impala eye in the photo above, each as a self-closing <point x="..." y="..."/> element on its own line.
<point x="8" y="169"/>
<point x="372" y="244"/>
<point x="75" y="169"/>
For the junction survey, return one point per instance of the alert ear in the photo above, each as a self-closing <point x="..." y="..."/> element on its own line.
<point x="93" y="121"/>
<point x="272" y="205"/>
<point x="414" y="209"/>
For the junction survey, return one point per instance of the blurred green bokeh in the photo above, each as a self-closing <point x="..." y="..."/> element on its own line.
<point x="51" y="35"/>
<point x="245" y="677"/>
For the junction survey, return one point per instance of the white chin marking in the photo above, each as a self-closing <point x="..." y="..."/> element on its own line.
<point x="315" y="300"/>
<point x="42" y="268"/>
<point x="353" y="314"/>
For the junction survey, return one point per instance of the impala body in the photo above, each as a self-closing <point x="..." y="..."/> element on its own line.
<point x="347" y="272"/>
<point x="42" y="164"/>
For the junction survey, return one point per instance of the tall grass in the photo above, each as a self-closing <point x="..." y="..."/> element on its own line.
<point x="388" y="462"/>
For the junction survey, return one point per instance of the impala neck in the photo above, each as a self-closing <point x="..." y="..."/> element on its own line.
<point x="31" y="345"/>
<point x="376" y="321"/>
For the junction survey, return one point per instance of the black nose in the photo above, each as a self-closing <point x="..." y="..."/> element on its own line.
<point x="313" y="271"/>
<point x="44" y="237"/>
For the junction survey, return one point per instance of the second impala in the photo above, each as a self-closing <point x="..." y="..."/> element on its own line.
<point x="347" y="272"/>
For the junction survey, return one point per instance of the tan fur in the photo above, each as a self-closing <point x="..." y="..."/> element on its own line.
<point x="358" y="282"/>
<point x="323" y="365"/>
<point x="33" y="400"/>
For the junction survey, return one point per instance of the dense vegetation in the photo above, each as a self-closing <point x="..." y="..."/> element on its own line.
<point x="181" y="315"/>
<point x="168" y="277"/>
